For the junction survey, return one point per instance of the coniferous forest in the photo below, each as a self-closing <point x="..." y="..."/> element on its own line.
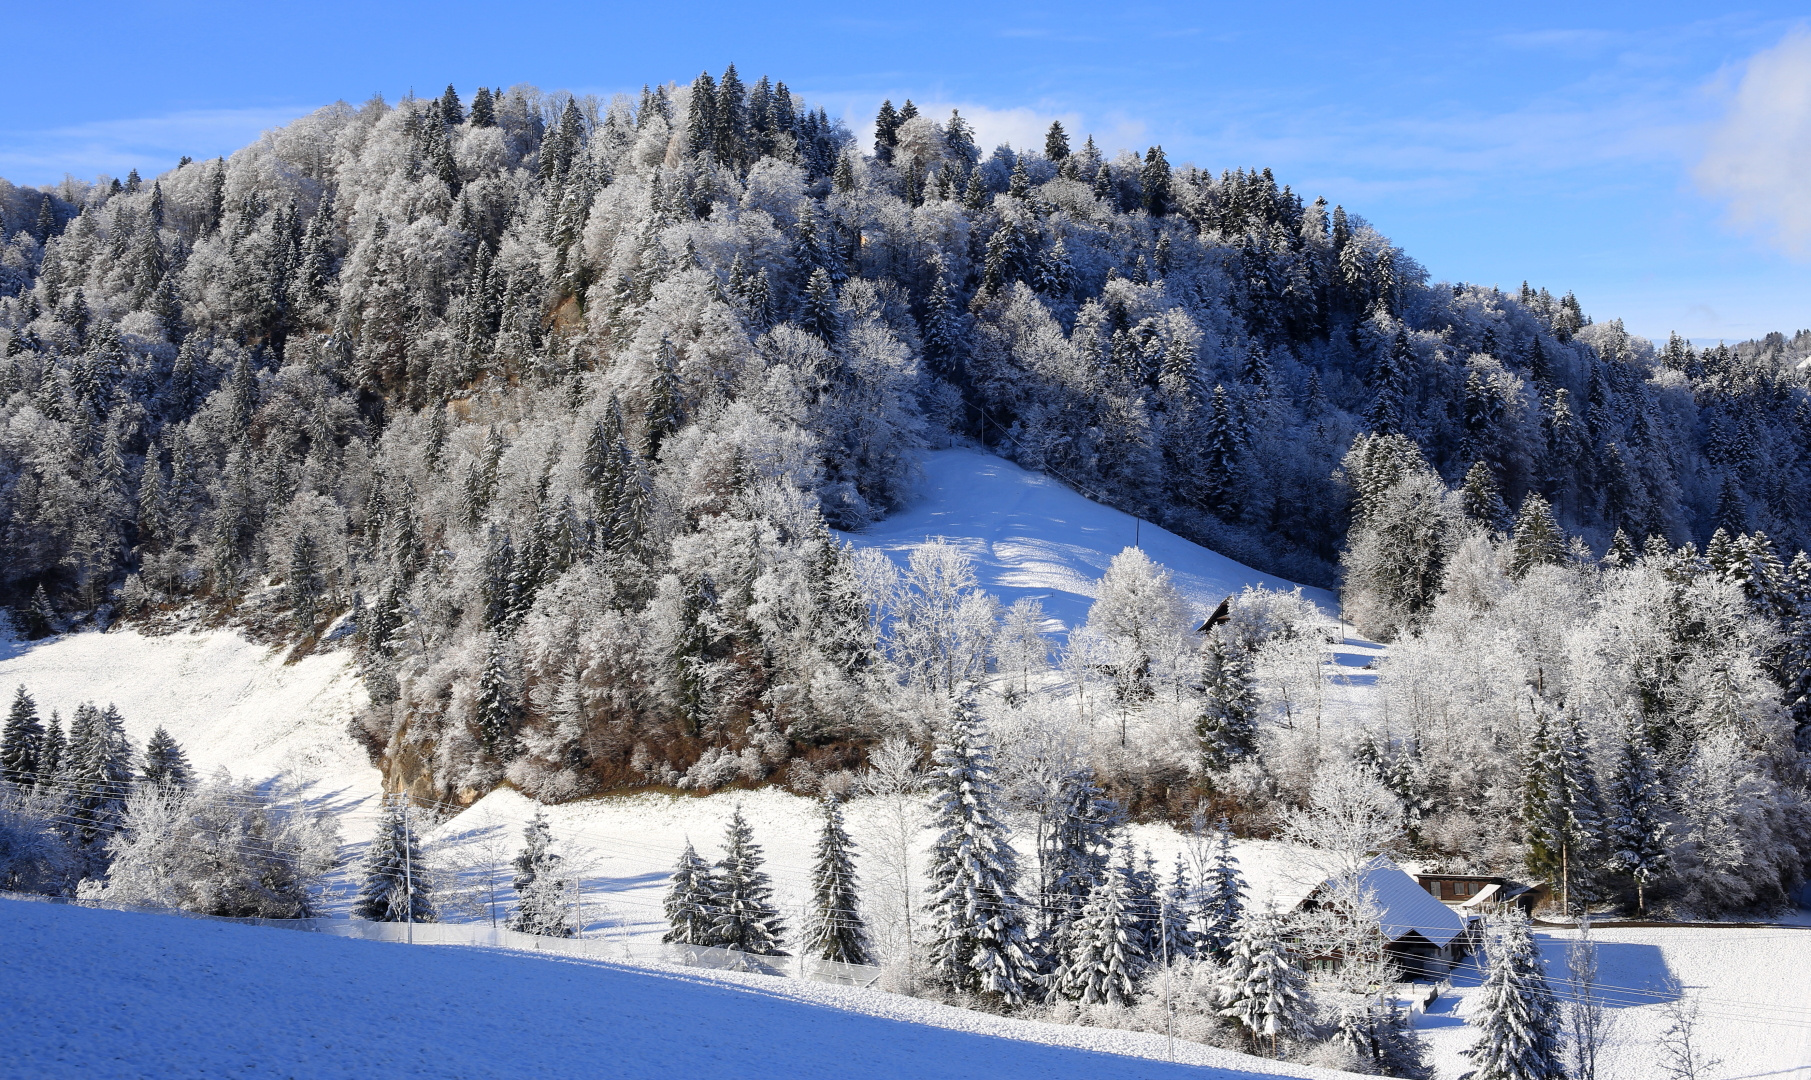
<point x="550" y="408"/>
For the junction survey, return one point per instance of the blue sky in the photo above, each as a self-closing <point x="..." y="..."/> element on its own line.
<point x="1648" y="156"/>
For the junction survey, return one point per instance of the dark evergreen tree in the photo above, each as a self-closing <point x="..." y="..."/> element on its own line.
<point x="1154" y="182"/>
<point x="1056" y="142"/>
<point x="835" y="930"/>
<point x="22" y="741"/>
<point x="1075" y="851"/>
<point x="690" y="918"/>
<point x="1537" y="540"/>
<point x="1106" y="952"/>
<point x="165" y="763"/>
<point x="1222" y="897"/>
<point x="97" y="771"/>
<point x="1635" y="814"/>
<point x="1228" y="725"/>
<point x="483" y="110"/>
<point x="540" y="885"/>
<point x="742" y="913"/>
<point x="396" y="886"/>
<point x="1516" y="1014"/>
<point x="978" y="939"/>
<point x="1483" y="501"/>
<point x="886" y="133"/>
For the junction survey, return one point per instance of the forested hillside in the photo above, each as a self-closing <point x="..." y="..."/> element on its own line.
<point x="548" y="406"/>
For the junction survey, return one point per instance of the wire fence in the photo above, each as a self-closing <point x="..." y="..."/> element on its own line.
<point x="481" y="935"/>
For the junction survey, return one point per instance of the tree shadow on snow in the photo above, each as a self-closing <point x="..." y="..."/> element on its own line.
<point x="1628" y="975"/>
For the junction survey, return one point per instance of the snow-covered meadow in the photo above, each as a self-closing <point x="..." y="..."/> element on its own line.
<point x="124" y="994"/>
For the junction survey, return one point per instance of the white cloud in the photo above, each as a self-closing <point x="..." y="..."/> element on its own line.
<point x="149" y="144"/>
<point x="1758" y="158"/>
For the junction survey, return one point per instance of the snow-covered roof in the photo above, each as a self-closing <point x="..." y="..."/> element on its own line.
<point x="1404" y="906"/>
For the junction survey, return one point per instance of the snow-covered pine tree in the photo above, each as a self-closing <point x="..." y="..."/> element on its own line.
<point x="1261" y="987"/>
<point x="1561" y="815"/>
<point x="540" y="887"/>
<point x="1536" y="540"/>
<point x="1635" y="825"/>
<point x="1104" y="953"/>
<point x="396" y="886"/>
<point x="1075" y="850"/>
<point x="835" y="930"/>
<point x="1222" y="896"/>
<point x="1228" y="724"/>
<point x="55" y="752"/>
<point x="1516" y="1014"/>
<point x="742" y="913"/>
<point x="688" y="901"/>
<point x="978" y="939"/>
<point x="165" y="762"/>
<point x="1174" y="938"/>
<point x="21" y="741"/>
<point x="98" y="768"/>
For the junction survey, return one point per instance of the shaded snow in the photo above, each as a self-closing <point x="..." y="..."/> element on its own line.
<point x="124" y="994"/>
<point x="1031" y="536"/>
<point x="1750" y="985"/>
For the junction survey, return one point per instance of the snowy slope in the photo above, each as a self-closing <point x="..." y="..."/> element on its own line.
<point x="1031" y="536"/>
<point x="123" y="994"/>
<point x="229" y="702"/>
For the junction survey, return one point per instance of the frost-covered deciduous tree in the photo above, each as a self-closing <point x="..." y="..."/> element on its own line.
<point x="221" y="848"/>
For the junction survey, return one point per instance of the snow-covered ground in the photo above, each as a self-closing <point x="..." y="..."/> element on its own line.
<point x="230" y="703"/>
<point x="1030" y="536"/>
<point x="123" y="994"/>
<point x="1750" y="986"/>
<point x="237" y="705"/>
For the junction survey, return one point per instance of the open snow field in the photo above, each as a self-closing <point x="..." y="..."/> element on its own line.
<point x="1751" y="986"/>
<point x="122" y="994"/>
<point x="1030" y="536"/>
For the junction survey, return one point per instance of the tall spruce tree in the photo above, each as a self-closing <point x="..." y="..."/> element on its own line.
<point x="98" y="768"/>
<point x="1261" y="986"/>
<point x="541" y="906"/>
<point x="1222" y="897"/>
<point x="1105" y="952"/>
<point x="165" y="763"/>
<point x="1227" y="727"/>
<point x="1635" y="826"/>
<point x="21" y="741"/>
<point x="1515" y="1012"/>
<point x="690" y="918"/>
<point x="396" y="886"/>
<point x="1537" y="540"/>
<point x="978" y="938"/>
<point x="742" y="913"/>
<point x="835" y="930"/>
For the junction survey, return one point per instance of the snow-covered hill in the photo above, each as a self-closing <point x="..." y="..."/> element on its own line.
<point x="124" y="994"/>
<point x="1030" y="536"/>
<point x="230" y="703"/>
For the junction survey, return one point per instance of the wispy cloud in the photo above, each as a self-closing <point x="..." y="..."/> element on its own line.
<point x="150" y="144"/>
<point x="1758" y="157"/>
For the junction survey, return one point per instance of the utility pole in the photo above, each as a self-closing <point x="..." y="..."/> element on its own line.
<point x="1169" y="1007"/>
<point x="408" y="872"/>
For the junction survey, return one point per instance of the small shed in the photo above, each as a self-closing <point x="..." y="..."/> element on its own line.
<point x="1423" y="936"/>
<point x="1478" y="892"/>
